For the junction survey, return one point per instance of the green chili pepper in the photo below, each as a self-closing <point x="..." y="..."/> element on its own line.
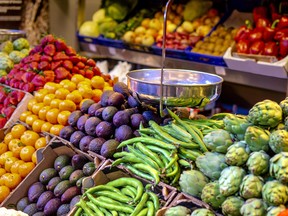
<point x="140" y="205"/>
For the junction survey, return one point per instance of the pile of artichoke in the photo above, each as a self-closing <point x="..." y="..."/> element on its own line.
<point x="245" y="171"/>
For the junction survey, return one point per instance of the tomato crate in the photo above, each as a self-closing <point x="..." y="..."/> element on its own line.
<point x="45" y="157"/>
<point x="190" y="202"/>
<point x="107" y="173"/>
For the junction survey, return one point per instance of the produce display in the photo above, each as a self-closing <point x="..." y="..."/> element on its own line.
<point x="17" y="157"/>
<point x="50" y="61"/>
<point x="100" y="127"/>
<point x="9" y="99"/>
<point x="123" y="196"/>
<point x="11" y="53"/>
<point x="184" y="211"/>
<point x="58" y="188"/>
<point x="265" y="36"/>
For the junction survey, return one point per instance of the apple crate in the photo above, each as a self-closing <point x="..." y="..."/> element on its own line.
<point x="108" y="173"/>
<point x="45" y="158"/>
<point x="188" y="201"/>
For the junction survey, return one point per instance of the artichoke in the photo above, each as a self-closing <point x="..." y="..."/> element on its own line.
<point x="192" y="182"/>
<point x="232" y="205"/>
<point x="211" y="170"/>
<point x="284" y="106"/>
<point x="218" y="140"/>
<point x="211" y="195"/>
<point x="275" y="193"/>
<point x="202" y="212"/>
<point x="177" y="211"/>
<point x="236" y="125"/>
<point x="230" y="180"/>
<point x="251" y="187"/>
<point x="16" y="56"/>
<point x="21" y="43"/>
<point x="258" y="163"/>
<point x="266" y="113"/>
<point x="254" y="207"/>
<point x="237" y="154"/>
<point x="6" y="47"/>
<point x="278" y="141"/>
<point x="257" y="138"/>
<point x="279" y="167"/>
<point x="275" y="210"/>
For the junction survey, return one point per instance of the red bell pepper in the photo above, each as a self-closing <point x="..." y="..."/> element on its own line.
<point x="269" y="32"/>
<point x="283" y="22"/>
<point x="274" y="12"/>
<point x="243" y="32"/>
<point x="259" y="12"/>
<point x="283" y="213"/>
<point x="271" y="49"/>
<point x="242" y="46"/>
<point x="256" y="35"/>
<point x="280" y="34"/>
<point x="283" y="47"/>
<point x="262" y="23"/>
<point x="257" y="47"/>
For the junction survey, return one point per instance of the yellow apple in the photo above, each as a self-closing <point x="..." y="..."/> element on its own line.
<point x="129" y="37"/>
<point x="187" y="26"/>
<point x="140" y="30"/>
<point x="158" y="15"/>
<point x="154" y="24"/>
<point x="180" y="29"/>
<point x="171" y="27"/>
<point x="148" y="40"/>
<point x="138" y="39"/>
<point x="145" y="23"/>
<point x="152" y="32"/>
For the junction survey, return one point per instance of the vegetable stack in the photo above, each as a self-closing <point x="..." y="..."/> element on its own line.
<point x="123" y="196"/>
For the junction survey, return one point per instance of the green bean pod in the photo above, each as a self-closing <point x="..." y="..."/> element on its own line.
<point x="126" y="159"/>
<point x="145" y="168"/>
<point x="85" y="208"/>
<point x="172" y="161"/>
<point x="147" y="131"/>
<point x="176" y="135"/>
<point x="105" y="211"/>
<point x="143" y="212"/>
<point x="175" y="170"/>
<point x="147" y="140"/>
<point x="121" y="182"/>
<point x="78" y="211"/>
<point x="128" y="192"/>
<point x="114" y="213"/>
<point x="176" y="178"/>
<point x="155" y="200"/>
<point x="101" y="188"/>
<point x="150" y="154"/>
<point x="139" y="173"/>
<point x="108" y="200"/>
<point x="192" y="155"/>
<point x="110" y="207"/>
<point x="184" y="163"/>
<point x="181" y="131"/>
<point x="140" y="205"/>
<point x="95" y="208"/>
<point x="115" y="196"/>
<point x="151" y="209"/>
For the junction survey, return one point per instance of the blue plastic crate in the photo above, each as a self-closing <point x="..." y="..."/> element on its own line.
<point x="172" y="53"/>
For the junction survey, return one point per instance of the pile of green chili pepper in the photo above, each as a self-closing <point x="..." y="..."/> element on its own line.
<point x="120" y="197"/>
<point x="161" y="151"/>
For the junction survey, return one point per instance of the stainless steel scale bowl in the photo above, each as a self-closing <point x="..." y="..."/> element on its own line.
<point x="181" y="88"/>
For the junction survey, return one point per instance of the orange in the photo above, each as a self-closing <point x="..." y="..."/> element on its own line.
<point x="4" y="192"/>
<point x="36" y="107"/>
<point x="9" y="162"/>
<point x="86" y="91"/>
<point x="52" y="115"/>
<point x="12" y="143"/>
<point x="46" y="127"/>
<point x="30" y="119"/>
<point x="61" y="93"/>
<point x="67" y="105"/>
<point x="55" y="129"/>
<point x="107" y="87"/>
<point x="29" y="138"/>
<point x="40" y="143"/>
<point x="25" y="168"/>
<point x="34" y="157"/>
<point x="8" y="137"/>
<point x="55" y="103"/>
<point x="52" y="87"/>
<point x="15" y="166"/>
<point x="74" y="96"/>
<point x="3" y="178"/>
<point x="77" y="78"/>
<point x="69" y="85"/>
<point x="4" y="156"/>
<point x="96" y="95"/>
<point x="2" y="171"/>
<point x="13" y="180"/>
<point x="48" y="98"/>
<point x="3" y="148"/>
<point x="97" y="82"/>
<point x="42" y="112"/>
<point x="16" y="149"/>
<point x="63" y="116"/>
<point x="26" y="153"/>
<point x="31" y="102"/>
<point x="40" y="94"/>
<point x="17" y="130"/>
<point x="86" y="83"/>
<point x="37" y="124"/>
<point x="24" y="115"/>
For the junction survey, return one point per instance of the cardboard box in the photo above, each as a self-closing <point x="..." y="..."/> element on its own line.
<point x="46" y="159"/>
<point x="187" y="201"/>
<point x="108" y="173"/>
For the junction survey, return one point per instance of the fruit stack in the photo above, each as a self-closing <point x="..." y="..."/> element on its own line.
<point x="50" y="61"/>
<point x="17" y="157"/>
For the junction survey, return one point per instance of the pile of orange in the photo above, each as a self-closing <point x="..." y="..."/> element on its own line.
<point x="17" y="157"/>
<point x="51" y="106"/>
